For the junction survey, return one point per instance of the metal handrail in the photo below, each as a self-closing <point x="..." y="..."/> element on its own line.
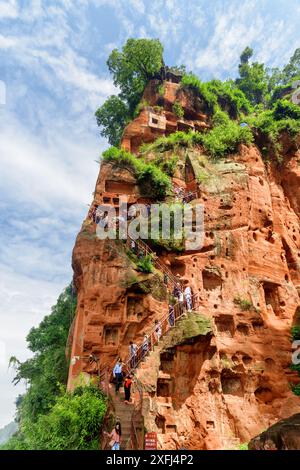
<point x="179" y="309"/>
<point x="131" y="362"/>
<point x="156" y="261"/>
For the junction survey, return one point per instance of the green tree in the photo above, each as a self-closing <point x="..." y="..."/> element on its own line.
<point x="246" y="55"/>
<point x="48" y="368"/>
<point x="253" y="80"/>
<point x="73" y="423"/>
<point x="292" y="69"/>
<point x="112" y="117"/>
<point x="131" y="68"/>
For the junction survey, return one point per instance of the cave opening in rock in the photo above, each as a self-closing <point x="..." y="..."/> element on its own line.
<point x="225" y="325"/>
<point x="231" y="383"/>
<point x="264" y="394"/>
<point x="160" y="422"/>
<point x="111" y="335"/>
<point x="167" y="361"/>
<point x="272" y="296"/>
<point x="211" y="280"/>
<point x="163" y="388"/>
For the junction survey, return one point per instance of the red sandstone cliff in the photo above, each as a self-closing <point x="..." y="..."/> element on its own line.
<point x="209" y="390"/>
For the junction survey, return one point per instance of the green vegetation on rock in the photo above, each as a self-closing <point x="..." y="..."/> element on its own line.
<point x="150" y="178"/>
<point x="188" y="328"/>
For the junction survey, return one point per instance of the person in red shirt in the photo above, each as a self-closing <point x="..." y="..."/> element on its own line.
<point x="127" y="388"/>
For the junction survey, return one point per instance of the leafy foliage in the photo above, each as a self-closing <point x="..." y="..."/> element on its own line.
<point x="283" y="78"/>
<point x="112" y="117"/>
<point x="244" y="304"/>
<point x="222" y="139"/>
<point x="178" y="110"/>
<point x="166" y="164"/>
<point x="296" y="332"/>
<point x="218" y="95"/>
<point x="225" y="138"/>
<point x="49" y="417"/>
<point x="201" y="90"/>
<point x="253" y="80"/>
<point x="271" y="123"/>
<point x="145" y="264"/>
<point x="73" y="423"/>
<point x="131" y="68"/>
<point x="48" y="368"/>
<point x="149" y="176"/>
<point x="172" y="142"/>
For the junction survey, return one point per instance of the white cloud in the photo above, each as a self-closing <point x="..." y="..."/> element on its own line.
<point x="7" y="42"/>
<point x="234" y="26"/>
<point x="137" y="5"/>
<point x="8" y="9"/>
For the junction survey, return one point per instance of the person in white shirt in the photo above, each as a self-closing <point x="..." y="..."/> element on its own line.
<point x="157" y="330"/>
<point x="118" y="374"/>
<point x="133" y="354"/>
<point x="188" y="298"/>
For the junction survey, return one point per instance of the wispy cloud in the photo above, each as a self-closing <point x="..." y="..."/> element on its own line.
<point x="8" y="9"/>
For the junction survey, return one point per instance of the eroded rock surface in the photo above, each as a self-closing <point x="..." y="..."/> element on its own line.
<point x="284" y="435"/>
<point x="211" y="391"/>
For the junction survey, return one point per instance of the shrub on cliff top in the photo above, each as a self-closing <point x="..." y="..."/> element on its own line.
<point x="201" y="89"/>
<point x="172" y="142"/>
<point x="217" y="94"/>
<point x="226" y="138"/>
<point x="271" y="123"/>
<point x="147" y="174"/>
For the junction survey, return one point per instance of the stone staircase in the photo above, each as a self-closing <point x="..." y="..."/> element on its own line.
<point x="123" y="413"/>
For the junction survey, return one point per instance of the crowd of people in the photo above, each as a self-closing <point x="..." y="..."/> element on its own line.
<point x="99" y="216"/>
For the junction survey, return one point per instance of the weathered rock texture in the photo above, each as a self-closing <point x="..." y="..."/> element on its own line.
<point x="284" y="435"/>
<point x="208" y="390"/>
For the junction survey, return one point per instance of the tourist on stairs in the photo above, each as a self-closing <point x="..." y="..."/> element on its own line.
<point x="171" y="316"/>
<point x="145" y="346"/>
<point x="157" y="330"/>
<point x="188" y="298"/>
<point x="118" y="375"/>
<point x="116" y="436"/>
<point x="133" y="354"/>
<point x="177" y="291"/>
<point x="127" y="388"/>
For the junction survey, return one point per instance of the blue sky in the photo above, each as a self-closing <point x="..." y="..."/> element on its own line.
<point x="52" y="65"/>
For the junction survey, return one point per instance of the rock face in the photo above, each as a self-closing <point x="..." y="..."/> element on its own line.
<point x="220" y="386"/>
<point x="284" y="435"/>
